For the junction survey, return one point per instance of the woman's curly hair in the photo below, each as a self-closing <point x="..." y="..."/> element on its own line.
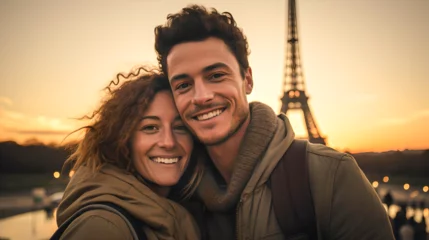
<point x="108" y="138"/>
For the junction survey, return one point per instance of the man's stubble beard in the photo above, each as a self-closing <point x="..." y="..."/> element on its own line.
<point x="243" y="115"/>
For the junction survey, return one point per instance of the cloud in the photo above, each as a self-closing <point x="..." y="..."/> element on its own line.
<point x="38" y="132"/>
<point x="11" y="115"/>
<point x="406" y="119"/>
<point x="5" y="101"/>
<point x="18" y="125"/>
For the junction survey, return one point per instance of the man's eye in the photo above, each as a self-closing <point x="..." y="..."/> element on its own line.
<point x="182" y="86"/>
<point x="216" y="76"/>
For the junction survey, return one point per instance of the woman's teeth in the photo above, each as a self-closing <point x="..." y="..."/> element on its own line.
<point x="165" y="160"/>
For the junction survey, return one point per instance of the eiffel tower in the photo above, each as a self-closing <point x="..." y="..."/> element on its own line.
<point x="295" y="96"/>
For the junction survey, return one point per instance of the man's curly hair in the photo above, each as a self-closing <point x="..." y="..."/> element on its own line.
<point x="196" y="23"/>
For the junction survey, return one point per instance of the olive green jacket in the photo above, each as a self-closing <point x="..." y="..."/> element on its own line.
<point x="161" y="218"/>
<point x="346" y="205"/>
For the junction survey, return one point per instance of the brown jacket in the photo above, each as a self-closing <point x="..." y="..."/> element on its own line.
<point x="162" y="218"/>
<point x="346" y="205"/>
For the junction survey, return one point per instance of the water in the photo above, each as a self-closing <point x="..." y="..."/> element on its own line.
<point x="37" y="225"/>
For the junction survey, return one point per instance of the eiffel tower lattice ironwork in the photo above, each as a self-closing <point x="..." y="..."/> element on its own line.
<point x="295" y="96"/>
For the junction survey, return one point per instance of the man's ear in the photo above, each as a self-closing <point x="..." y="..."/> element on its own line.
<point x="248" y="80"/>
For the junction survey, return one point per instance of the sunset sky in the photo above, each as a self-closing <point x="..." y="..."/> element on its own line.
<point x="366" y="63"/>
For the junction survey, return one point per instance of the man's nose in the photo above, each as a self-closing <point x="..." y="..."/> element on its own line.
<point x="202" y="94"/>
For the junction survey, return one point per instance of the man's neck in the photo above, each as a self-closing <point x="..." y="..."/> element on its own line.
<point x="224" y="155"/>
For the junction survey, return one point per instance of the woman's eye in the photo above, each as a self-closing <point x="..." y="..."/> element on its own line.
<point x="181" y="128"/>
<point x="149" y="129"/>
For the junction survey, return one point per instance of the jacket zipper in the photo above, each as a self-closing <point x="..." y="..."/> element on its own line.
<point x="237" y="220"/>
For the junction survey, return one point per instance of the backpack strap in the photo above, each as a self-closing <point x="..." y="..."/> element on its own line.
<point x="291" y="195"/>
<point x="131" y="221"/>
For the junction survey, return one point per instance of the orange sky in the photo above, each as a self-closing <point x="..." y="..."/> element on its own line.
<point x="365" y="63"/>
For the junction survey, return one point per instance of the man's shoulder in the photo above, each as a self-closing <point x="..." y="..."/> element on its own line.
<point x="324" y="153"/>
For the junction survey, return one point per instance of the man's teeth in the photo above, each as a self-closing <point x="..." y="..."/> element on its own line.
<point x="166" y="160"/>
<point x="209" y="115"/>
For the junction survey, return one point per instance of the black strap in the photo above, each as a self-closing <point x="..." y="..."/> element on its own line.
<point x="135" y="226"/>
<point x="291" y="194"/>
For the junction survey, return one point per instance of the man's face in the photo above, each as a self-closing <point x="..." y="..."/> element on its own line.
<point x="208" y="89"/>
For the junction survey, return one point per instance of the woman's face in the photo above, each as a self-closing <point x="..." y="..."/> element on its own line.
<point x="161" y="145"/>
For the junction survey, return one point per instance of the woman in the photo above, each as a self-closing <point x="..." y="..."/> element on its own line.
<point x="132" y="154"/>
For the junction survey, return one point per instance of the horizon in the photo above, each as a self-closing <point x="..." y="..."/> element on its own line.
<point x="36" y="142"/>
<point x="364" y="64"/>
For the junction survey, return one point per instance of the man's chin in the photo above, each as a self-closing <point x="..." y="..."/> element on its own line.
<point x="210" y="139"/>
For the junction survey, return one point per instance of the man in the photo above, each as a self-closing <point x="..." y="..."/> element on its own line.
<point x="205" y="56"/>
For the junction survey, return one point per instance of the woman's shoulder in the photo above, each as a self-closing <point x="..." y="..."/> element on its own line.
<point x="98" y="224"/>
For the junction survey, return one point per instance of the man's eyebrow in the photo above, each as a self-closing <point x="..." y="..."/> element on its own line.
<point x="179" y="77"/>
<point x="205" y="69"/>
<point x="214" y="66"/>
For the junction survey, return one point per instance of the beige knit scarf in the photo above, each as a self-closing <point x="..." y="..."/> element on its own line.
<point x="258" y="135"/>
